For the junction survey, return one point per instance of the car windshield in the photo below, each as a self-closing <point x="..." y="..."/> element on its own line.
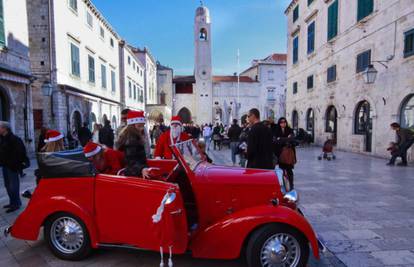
<point x="190" y="153"/>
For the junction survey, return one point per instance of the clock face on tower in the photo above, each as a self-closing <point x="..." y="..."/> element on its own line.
<point x="203" y="72"/>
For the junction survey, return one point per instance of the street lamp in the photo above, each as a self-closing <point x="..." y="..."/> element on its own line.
<point x="47" y="90"/>
<point x="370" y="74"/>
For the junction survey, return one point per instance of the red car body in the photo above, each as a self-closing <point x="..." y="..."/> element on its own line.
<point x="224" y="206"/>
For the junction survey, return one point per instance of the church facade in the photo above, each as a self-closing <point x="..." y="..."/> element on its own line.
<point x="206" y="98"/>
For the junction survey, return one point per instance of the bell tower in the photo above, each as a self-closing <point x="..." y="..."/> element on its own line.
<point x="202" y="66"/>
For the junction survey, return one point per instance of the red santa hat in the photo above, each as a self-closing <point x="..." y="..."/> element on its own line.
<point x="135" y="117"/>
<point x="91" y="149"/>
<point x="176" y="119"/>
<point x="52" y="136"/>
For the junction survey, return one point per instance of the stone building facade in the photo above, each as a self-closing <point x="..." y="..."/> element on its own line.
<point x="15" y="73"/>
<point x="75" y="57"/>
<point x="331" y="45"/>
<point x="132" y="79"/>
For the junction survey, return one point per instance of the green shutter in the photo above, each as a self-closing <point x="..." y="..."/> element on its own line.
<point x="365" y="8"/>
<point x="2" y="35"/>
<point x="333" y="20"/>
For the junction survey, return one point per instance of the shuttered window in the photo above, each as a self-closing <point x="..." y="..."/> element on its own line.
<point x="2" y="32"/>
<point x="103" y="76"/>
<point x="91" y="68"/>
<point x="295" y="13"/>
<point x="363" y="61"/>
<point x="295" y="87"/>
<point x="365" y="7"/>
<point x="311" y="37"/>
<point x="333" y="20"/>
<point x="310" y="2"/>
<point x="135" y="92"/>
<point x="74" y="50"/>
<point x="309" y="83"/>
<point x="73" y="4"/>
<point x="113" y="81"/>
<point x="409" y="43"/>
<point x="295" y="49"/>
<point x="331" y="74"/>
<point x="129" y="89"/>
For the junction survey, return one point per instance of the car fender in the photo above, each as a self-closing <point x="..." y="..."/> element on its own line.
<point x="225" y="239"/>
<point x="28" y="223"/>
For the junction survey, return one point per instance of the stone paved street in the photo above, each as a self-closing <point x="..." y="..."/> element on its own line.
<point x="363" y="209"/>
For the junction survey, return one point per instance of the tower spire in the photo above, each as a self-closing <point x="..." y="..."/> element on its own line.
<point x="201" y="3"/>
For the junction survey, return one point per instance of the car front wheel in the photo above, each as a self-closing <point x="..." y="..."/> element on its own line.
<point x="277" y="245"/>
<point x="67" y="237"/>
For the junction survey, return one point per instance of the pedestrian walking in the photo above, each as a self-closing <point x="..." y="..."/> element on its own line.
<point x="207" y="135"/>
<point x="284" y="148"/>
<point x="106" y="135"/>
<point x="84" y="134"/>
<point x="234" y="136"/>
<point x="405" y="139"/>
<point x="95" y="133"/>
<point x="13" y="160"/>
<point x="259" y="143"/>
<point x="243" y="144"/>
<point x="217" y="136"/>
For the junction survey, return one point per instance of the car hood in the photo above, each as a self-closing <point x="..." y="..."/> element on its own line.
<point x="222" y="190"/>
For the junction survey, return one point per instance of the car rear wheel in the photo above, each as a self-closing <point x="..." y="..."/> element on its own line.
<point x="67" y="237"/>
<point x="277" y="245"/>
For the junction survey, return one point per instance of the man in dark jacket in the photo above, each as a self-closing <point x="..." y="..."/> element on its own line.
<point x="259" y="143"/>
<point x="12" y="158"/>
<point x="234" y="136"/>
<point x="84" y="134"/>
<point x="106" y="135"/>
<point x="405" y="139"/>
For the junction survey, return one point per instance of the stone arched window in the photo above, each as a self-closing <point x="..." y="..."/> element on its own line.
<point x="203" y="34"/>
<point x="363" y="118"/>
<point x="407" y="112"/>
<point x="310" y="120"/>
<point x="92" y="120"/>
<point x="114" y="122"/>
<point x="295" y="120"/>
<point x="331" y="120"/>
<point x="185" y="115"/>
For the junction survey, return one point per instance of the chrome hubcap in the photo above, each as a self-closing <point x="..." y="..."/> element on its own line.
<point x="280" y="250"/>
<point x="67" y="235"/>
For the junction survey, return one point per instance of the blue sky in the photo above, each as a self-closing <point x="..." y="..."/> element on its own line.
<point x="257" y="27"/>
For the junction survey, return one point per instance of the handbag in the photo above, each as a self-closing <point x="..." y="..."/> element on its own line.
<point x="287" y="156"/>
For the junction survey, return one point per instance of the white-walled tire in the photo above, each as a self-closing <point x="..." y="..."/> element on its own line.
<point x="276" y="245"/>
<point x="67" y="237"/>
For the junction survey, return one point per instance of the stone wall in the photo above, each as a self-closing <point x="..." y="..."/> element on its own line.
<point x="383" y="33"/>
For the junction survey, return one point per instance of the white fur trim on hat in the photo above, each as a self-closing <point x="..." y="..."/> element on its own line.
<point x="53" y="139"/>
<point x="177" y="122"/>
<point x="94" y="152"/>
<point x="135" y="120"/>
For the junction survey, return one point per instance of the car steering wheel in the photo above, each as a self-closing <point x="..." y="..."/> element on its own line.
<point x="173" y="173"/>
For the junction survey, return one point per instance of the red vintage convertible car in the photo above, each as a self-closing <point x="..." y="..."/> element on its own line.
<point x="212" y="212"/>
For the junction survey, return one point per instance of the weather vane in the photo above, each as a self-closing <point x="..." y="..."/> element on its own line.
<point x="201" y="2"/>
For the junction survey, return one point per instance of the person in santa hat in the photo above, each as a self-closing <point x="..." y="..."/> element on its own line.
<point x="174" y="135"/>
<point x="105" y="160"/>
<point x="53" y="142"/>
<point x="132" y="142"/>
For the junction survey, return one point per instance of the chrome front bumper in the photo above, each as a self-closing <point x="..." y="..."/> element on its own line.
<point x="7" y="231"/>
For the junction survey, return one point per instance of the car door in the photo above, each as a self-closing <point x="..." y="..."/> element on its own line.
<point x="124" y="209"/>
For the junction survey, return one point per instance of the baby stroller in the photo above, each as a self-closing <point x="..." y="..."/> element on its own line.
<point x="327" y="151"/>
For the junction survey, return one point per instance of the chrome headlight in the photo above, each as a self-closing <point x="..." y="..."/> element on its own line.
<point x="291" y="197"/>
<point x="280" y="174"/>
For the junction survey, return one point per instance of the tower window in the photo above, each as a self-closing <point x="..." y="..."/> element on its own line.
<point x="203" y="34"/>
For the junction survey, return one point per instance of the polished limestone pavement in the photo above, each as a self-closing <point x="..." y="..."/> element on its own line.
<point x="363" y="210"/>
